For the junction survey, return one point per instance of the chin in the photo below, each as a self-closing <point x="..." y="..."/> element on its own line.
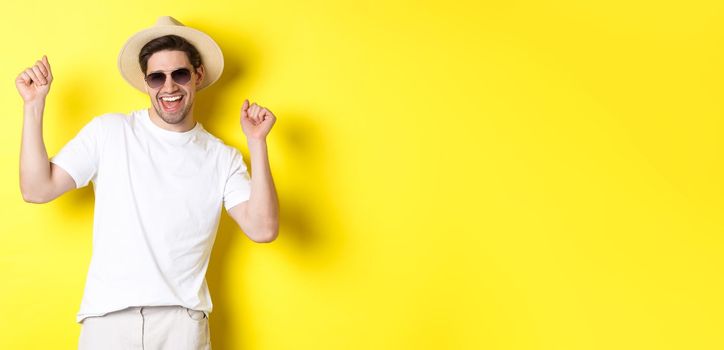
<point x="172" y="118"/>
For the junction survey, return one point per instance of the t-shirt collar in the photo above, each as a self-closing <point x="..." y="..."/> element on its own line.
<point x="172" y="136"/>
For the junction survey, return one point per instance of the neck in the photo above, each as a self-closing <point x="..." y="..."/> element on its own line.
<point x="187" y="124"/>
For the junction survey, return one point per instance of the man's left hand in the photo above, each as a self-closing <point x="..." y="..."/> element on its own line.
<point x="256" y="121"/>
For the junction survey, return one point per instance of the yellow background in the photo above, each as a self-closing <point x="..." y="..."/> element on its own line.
<point x="452" y="175"/>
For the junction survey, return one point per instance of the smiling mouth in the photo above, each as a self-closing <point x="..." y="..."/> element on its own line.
<point x="171" y="103"/>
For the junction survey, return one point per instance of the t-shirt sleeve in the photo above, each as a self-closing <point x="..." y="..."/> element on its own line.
<point x="79" y="157"/>
<point x="238" y="182"/>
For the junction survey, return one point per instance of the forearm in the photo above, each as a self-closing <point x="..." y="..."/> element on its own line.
<point x="34" y="164"/>
<point x="263" y="209"/>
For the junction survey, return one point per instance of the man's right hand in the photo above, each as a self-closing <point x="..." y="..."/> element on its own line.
<point x="34" y="83"/>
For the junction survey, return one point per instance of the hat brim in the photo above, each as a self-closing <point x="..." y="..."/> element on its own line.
<point x="211" y="55"/>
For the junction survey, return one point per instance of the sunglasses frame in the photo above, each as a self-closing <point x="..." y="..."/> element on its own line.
<point x="173" y="75"/>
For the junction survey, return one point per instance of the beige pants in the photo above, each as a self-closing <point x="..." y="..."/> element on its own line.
<point x="147" y="328"/>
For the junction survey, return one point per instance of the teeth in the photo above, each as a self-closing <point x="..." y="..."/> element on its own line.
<point x="169" y="99"/>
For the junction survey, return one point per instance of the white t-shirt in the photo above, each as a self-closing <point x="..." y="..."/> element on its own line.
<point x="158" y="197"/>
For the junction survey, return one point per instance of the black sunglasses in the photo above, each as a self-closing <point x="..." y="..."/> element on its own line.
<point x="180" y="76"/>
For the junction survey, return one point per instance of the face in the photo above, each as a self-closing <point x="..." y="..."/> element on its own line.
<point x="175" y="110"/>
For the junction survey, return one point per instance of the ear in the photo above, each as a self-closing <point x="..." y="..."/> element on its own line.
<point x="145" y="86"/>
<point x="201" y="73"/>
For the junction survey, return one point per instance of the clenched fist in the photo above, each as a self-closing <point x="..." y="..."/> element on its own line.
<point x="34" y="83"/>
<point x="256" y="121"/>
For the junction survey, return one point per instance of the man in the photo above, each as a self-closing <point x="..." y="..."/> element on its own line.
<point x="159" y="180"/>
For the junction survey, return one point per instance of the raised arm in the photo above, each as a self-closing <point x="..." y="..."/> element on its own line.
<point x="40" y="181"/>
<point x="259" y="216"/>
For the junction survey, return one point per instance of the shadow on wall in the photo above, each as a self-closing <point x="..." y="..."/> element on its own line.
<point x="308" y="222"/>
<point x="310" y="231"/>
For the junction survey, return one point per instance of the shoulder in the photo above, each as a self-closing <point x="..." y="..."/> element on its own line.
<point x="114" y="119"/>
<point x="107" y="121"/>
<point x="108" y="124"/>
<point x="218" y="145"/>
<point x="225" y="153"/>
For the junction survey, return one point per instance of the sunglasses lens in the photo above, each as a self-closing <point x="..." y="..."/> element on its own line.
<point x="155" y="80"/>
<point x="181" y="76"/>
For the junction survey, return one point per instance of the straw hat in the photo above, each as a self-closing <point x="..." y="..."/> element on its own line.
<point x="211" y="55"/>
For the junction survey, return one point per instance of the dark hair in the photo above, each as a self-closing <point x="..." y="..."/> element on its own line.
<point x="171" y="43"/>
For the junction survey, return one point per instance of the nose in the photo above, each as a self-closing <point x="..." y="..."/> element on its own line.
<point x="169" y="85"/>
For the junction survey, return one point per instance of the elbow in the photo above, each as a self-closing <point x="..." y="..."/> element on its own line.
<point x="267" y="236"/>
<point x="34" y="200"/>
<point x="32" y="196"/>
